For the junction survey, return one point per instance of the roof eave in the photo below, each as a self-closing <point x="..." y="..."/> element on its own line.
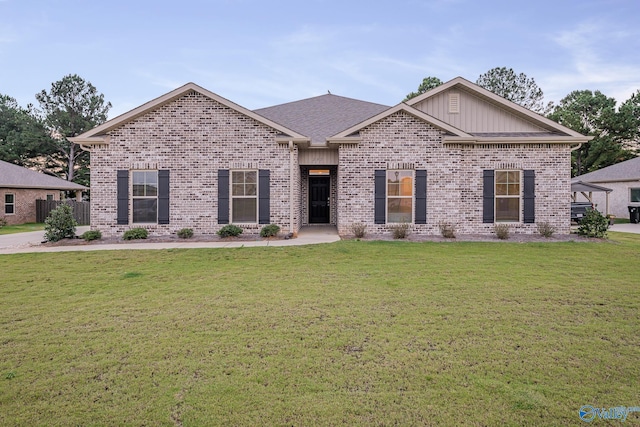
<point x="517" y="140"/>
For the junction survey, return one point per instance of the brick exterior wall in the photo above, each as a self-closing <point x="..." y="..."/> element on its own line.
<point x="25" y="203"/>
<point x="454" y="176"/>
<point x="193" y="137"/>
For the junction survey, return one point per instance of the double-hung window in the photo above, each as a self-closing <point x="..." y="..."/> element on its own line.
<point x="507" y="196"/>
<point x="145" y="196"/>
<point x="9" y="204"/>
<point x="634" y="195"/>
<point x="244" y="196"/>
<point x="399" y="196"/>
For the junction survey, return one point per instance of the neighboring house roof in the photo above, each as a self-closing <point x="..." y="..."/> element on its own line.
<point x="98" y="135"/>
<point x="542" y="128"/>
<point x="322" y="116"/>
<point x="585" y="186"/>
<point x="628" y="170"/>
<point x="14" y="176"/>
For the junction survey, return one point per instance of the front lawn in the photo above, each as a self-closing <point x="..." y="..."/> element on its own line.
<point x="22" y="228"/>
<point x="351" y="333"/>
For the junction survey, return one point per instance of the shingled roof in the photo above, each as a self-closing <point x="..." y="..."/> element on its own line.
<point x="13" y="176"/>
<point x="322" y="116"/>
<point x="628" y="170"/>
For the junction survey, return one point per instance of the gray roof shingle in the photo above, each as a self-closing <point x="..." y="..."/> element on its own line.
<point x="628" y="170"/>
<point x="13" y="176"/>
<point x="322" y="116"/>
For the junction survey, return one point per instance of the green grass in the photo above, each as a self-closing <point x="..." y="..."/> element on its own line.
<point x="22" y="228"/>
<point x="352" y="333"/>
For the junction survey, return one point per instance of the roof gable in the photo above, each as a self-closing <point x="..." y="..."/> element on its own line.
<point x="98" y="135"/>
<point x="322" y="116"/>
<point x="482" y="112"/>
<point x="348" y="134"/>
<point x="14" y="176"/>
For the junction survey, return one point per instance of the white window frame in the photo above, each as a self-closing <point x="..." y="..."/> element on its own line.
<point x="508" y="196"/>
<point x="411" y="197"/>
<point x="12" y="204"/>
<point x="134" y="197"/>
<point x="233" y="196"/>
<point x="631" y="189"/>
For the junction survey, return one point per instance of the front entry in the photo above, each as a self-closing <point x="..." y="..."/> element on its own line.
<point x="319" y="194"/>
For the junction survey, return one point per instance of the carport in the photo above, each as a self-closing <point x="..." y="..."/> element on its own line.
<point x="587" y="191"/>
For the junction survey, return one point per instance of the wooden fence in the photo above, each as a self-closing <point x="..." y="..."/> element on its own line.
<point x="80" y="210"/>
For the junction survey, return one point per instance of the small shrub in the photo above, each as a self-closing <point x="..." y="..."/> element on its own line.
<point x="3" y="222"/>
<point x="502" y="231"/>
<point x="230" y="230"/>
<point x="359" y="230"/>
<point x="593" y="224"/>
<point x="270" y="230"/>
<point x="447" y="230"/>
<point x="400" y="231"/>
<point x="185" y="233"/>
<point x="92" y="235"/>
<point x="546" y="229"/>
<point x="135" y="233"/>
<point x="60" y="224"/>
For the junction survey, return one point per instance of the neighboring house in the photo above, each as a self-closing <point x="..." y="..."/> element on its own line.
<point x="457" y="154"/>
<point x="623" y="179"/>
<point x="21" y="187"/>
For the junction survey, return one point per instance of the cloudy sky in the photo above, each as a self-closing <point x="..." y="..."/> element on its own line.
<point x="259" y="53"/>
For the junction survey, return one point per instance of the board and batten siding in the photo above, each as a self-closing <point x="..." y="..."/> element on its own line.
<point x="476" y="115"/>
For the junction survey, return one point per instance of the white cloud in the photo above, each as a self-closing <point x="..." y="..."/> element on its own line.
<point x="594" y="50"/>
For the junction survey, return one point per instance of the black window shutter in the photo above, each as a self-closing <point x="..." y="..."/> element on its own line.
<point x="163" y="196"/>
<point x="380" y="209"/>
<point x="529" y="197"/>
<point x="123" y="197"/>
<point x="421" y="197"/>
<point x="264" y="213"/>
<point x="487" y="196"/>
<point x="223" y="196"/>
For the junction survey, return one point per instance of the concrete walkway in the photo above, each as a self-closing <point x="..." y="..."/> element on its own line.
<point x="626" y="228"/>
<point x="32" y="242"/>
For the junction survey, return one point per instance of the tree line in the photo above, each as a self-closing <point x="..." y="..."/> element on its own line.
<point x="38" y="137"/>
<point x="616" y="130"/>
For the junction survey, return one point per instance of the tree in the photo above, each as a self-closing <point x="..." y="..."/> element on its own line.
<point x="517" y="88"/>
<point x="72" y="107"/>
<point x="593" y="113"/>
<point x="23" y="137"/>
<point x="427" y="84"/>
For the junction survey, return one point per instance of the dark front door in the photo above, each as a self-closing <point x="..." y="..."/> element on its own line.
<point x="319" y="187"/>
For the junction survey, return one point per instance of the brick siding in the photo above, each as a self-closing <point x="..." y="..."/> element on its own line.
<point x="25" y="203"/>
<point x="193" y="137"/>
<point x="454" y="176"/>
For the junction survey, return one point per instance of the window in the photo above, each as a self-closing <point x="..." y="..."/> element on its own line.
<point x="145" y="196"/>
<point x="244" y="196"/>
<point x="49" y="197"/>
<point x="9" y="204"/>
<point x="507" y="196"/>
<point x="399" y="196"/>
<point x="634" y="195"/>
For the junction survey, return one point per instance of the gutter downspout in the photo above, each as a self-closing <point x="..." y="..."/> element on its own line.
<point x="291" y="192"/>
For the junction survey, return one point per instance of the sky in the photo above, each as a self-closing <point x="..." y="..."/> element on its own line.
<point x="267" y="52"/>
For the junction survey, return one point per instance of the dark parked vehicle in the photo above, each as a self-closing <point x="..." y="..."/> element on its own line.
<point x="579" y="209"/>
